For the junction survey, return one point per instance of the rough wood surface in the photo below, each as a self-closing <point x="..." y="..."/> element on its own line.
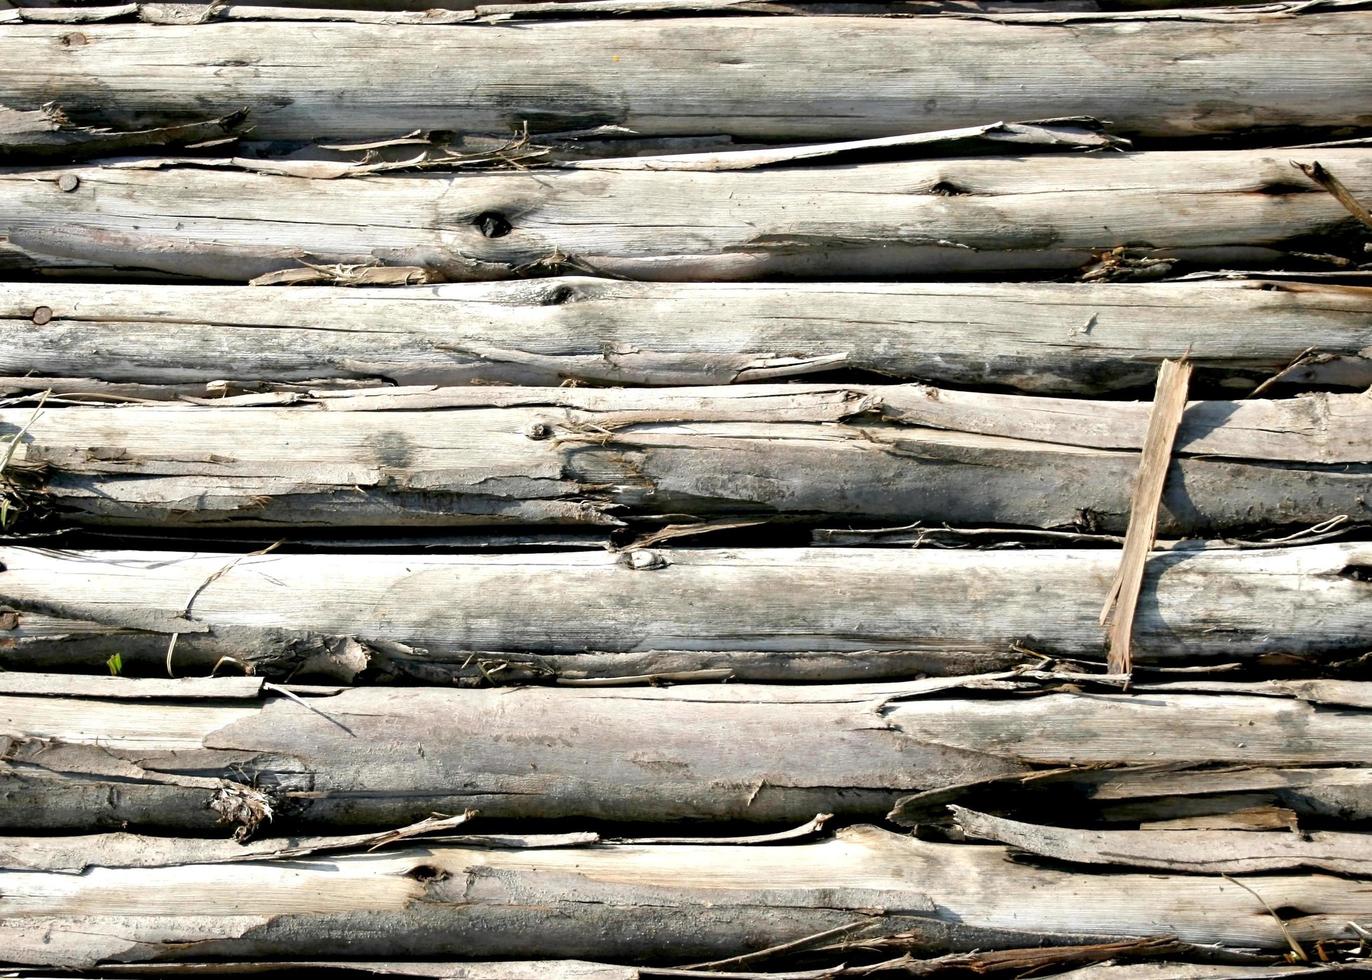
<point x="1155" y="462"/>
<point x="1185" y="851"/>
<point x="427" y="615"/>
<point x="387" y="757"/>
<point x="1051" y="212"/>
<point x="739" y="76"/>
<point x="518" y="456"/>
<point x="160" y="341"/>
<point x="641" y="903"/>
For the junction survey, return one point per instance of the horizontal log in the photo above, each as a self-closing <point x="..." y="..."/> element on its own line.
<point x="427" y="615"/>
<point x="164" y="341"/>
<point x="390" y="756"/>
<point x="881" y="219"/>
<point x="664" y="903"/>
<point x="896" y="453"/>
<point x="738" y="76"/>
<point x="1140" y="959"/>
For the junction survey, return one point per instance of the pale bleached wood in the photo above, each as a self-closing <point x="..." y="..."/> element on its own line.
<point x="386" y="756"/>
<point x="493" y="456"/>
<point x="740" y="76"/>
<point x="642" y="903"/>
<point x="158" y="341"/>
<point x="429" y="613"/>
<point x="1125" y="798"/>
<point x="1049" y="212"/>
<point x="1185" y="851"/>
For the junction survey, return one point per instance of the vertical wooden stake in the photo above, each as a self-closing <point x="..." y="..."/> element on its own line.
<point x="1169" y="402"/>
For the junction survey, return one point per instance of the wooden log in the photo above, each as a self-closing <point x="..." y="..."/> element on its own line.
<point x="642" y="902"/>
<point x="895" y="453"/>
<point x="431" y="616"/>
<point x="207" y="755"/>
<point x="739" y="76"/>
<point x="164" y="341"/>
<point x="882" y="219"/>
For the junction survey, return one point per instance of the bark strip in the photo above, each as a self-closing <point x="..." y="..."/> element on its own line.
<point x="932" y="217"/>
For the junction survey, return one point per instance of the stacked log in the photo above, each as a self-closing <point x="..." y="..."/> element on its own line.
<point x="616" y="489"/>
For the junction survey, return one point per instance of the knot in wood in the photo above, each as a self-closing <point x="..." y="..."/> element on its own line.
<point x="492" y="224"/>
<point x="645" y="560"/>
<point x="538" y="430"/>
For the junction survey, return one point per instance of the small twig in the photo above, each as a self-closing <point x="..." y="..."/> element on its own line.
<point x="1296" y="949"/>
<point x="1316" y="172"/>
<point x="186" y="612"/>
<point x="790" y="947"/>
<point x="14" y="443"/>
<point x="1276" y="378"/>
<point x="286" y="692"/>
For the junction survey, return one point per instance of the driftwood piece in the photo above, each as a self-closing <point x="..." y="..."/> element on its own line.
<point x="1189" y="851"/>
<point x="739" y="76"/>
<point x="439" y="616"/>
<point x="485" y="456"/>
<point x="643" y="903"/>
<point x="1050" y="212"/>
<point x="1135" y="796"/>
<point x="161" y="341"/>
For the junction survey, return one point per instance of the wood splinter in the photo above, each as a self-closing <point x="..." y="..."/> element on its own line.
<point x="1169" y="402"/>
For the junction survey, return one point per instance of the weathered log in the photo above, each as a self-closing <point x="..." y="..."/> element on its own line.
<point x="585" y="456"/>
<point x="437" y="616"/>
<point x="197" y="755"/>
<point x="739" y="76"/>
<point x="156" y="341"/>
<point x="929" y="217"/>
<point x="663" y="903"/>
<point x="164" y="341"/>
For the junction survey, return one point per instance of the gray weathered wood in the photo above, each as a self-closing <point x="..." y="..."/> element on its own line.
<point x="1184" y="851"/>
<point x="160" y="341"/>
<point x="427" y="615"/>
<point x="485" y="455"/>
<point x="389" y="756"/>
<point x="740" y="76"/>
<point x="641" y="903"/>
<point x="1051" y="212"/>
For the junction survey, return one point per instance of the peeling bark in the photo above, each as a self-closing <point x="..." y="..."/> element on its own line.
<point x="641" y="903"/>
<point x="739" y="76"/>
<point x="164" y="341"/>
<point x="1240" y="207"/>
<point x="427" y="615"/>
<point x="1184" y="851"/>
<point x="47" y="132"/>
<point x="600" y="457"/>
